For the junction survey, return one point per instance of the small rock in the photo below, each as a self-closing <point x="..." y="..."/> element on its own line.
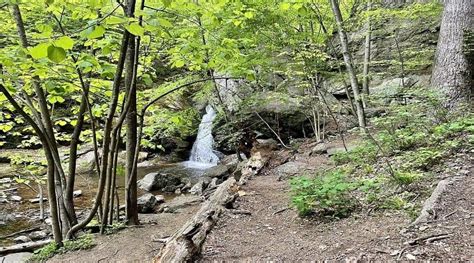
<point x="37" y="200"/>
<point x="16" y="198"/>
<point x="159" y="199"/>
<point x="48" y="221"/>
<point x="319" y="149"/>
<point x="38" y="235"/>
<point x="197" y="189"/>
<point x="177" y="191"/>
<point x="77" y="193"/>
<point x="212" y="184"/>
<point x="219" y="171"/>
<point x="21" y="239"/>
<point x="410" y="257"/>
<point x="146" y="203"/>
<point x="5" y="180"/>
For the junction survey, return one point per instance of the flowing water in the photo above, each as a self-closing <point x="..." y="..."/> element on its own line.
<point x="202" y="153"/>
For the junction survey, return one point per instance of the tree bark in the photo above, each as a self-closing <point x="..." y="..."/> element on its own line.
<point x="453" y="71"/>
<point x="367" y="47"/>
<point x="349" y="65"/>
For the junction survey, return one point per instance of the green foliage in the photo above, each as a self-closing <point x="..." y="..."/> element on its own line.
<point x="406" y="178"/>
<point x="82" y="243"/>
<point x="363" y="154"/>
<point x="327" y="193"/>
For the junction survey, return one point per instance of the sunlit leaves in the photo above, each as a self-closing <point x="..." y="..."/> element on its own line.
<point x="39" y="51"/>
<point x="64" y="42"/>
<point x="98" y="32"/>
<point x="135" y="29"/>
<point x="56" y="54"/>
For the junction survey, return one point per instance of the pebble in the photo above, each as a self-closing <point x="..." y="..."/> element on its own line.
<point x="16" y="198"/>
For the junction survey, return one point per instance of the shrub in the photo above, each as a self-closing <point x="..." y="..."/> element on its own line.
<point x="406" y="178"/>
<point x="326" y="194"/>
<point x="43" y="254"/>
<point x="360" y="155"/>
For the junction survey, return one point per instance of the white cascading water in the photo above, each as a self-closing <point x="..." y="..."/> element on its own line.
<point x="202" y="154"/>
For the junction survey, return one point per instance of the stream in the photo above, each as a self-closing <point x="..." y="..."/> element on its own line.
<point x="22" y="214"/>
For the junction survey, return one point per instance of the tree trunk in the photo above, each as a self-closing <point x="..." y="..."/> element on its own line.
<point x="130" y="173"/>
<point x="349" y="65"/>
<point x="365" y="81"/>
<point x="453" y="71"/>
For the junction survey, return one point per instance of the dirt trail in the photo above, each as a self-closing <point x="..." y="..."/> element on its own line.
<point x="132" y="244"/>
<point x="274" y="232"/>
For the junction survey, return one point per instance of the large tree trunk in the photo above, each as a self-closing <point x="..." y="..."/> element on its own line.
<point x="453" y="70"/>
<point x="349" y="65"/>
<point x="365" y="81"/>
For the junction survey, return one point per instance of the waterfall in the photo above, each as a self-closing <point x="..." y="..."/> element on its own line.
<point x="202" y="154"/>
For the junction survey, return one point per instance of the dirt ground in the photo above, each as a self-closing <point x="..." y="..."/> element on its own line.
<point x="136" y="244"/>
<point x="274" y="232"/>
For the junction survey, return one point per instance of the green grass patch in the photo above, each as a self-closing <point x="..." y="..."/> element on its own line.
<point x="82" y="243"/>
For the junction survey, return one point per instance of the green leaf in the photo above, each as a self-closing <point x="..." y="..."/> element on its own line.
<point x="179" y="63"/>
<point x="39" y="51"/>
<point x="136" y="29"/>
<point x="166" y="3"/>
<point x="98" y="32"/>
<point x="113" y="20"/>
<point x="64" y="42"/>
<point x="164" y="22"/>
<point x="56" y="54"/>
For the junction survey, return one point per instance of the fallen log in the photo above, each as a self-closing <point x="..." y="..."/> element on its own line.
<point x="25" y="247"/>
<point x="186" y="244"/>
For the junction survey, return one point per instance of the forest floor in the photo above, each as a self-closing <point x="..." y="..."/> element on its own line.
<point x="274" y="232"/>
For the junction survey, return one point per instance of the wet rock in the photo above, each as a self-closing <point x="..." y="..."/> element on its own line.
<point x="290" y="169"/>
<point x="160" y="181"/>
<point x="6" y="217"/>
<point x="38" y="235"/>
<point x="21" y="239"/>
<point x="219" y="171"/>
<point x="37" y="200"/>
<point x="77" y="193"/>
<point x="16" y="198"/>
<point x="146" y="203"/>
<point x="159" y="199"/>
<point x="232" y="159"/>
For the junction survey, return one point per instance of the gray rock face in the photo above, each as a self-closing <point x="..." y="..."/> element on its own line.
<point x="38" y="235"/>
<point x="290" y="169"/>
<point x="218" y="171"/>
<point x="319" y="149"/>
<point x="21" y="239"/>
<point x="160" y="181"/>
<point x="146" y="203"/>
<point x="16" y="257"/>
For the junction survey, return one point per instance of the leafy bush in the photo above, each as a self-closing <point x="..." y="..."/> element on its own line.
<point x="406" y="178"/>
<point x="360" y="155"/>
<point x="327" y="194"/>
<point x="422" y="158"/>
<point x="48" y="251"/>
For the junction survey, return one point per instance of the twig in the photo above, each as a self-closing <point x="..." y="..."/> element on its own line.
<point x="400" y="254"/>
<point x="433" y="239"/>
<point x="430" y="237"/>
<point x="281" y="210"/>
<point x="273" y="131"/>
<point x="450" y="214"/>
<point x="104" y="258"/>
<point x="239" y="212"/>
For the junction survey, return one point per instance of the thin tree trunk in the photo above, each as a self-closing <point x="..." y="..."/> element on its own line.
<point x="349" y="64"/>
<point x="453" y="71"/>
<point x="367" y="47"/>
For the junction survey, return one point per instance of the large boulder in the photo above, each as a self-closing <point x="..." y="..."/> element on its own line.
<point x="218" y="171"/>
<point x="146" y="203"/>
<point x="160" y="181"/>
